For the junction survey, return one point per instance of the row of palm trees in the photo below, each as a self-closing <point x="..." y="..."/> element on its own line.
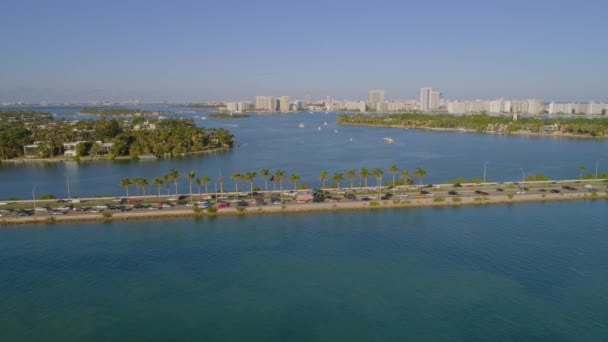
<point x="276" y="178"/>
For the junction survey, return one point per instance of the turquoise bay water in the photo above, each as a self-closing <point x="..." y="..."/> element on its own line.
<point x="533" y="272"/>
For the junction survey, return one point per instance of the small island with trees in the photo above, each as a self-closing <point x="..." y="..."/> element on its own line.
<point x="227" y="116"/>
<point x="117" y="112"/>
<point x="33" y="135"/>
<point x="483" y="123"/>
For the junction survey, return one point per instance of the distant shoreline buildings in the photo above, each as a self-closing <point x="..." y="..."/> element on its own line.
<point x="429" y="101"/>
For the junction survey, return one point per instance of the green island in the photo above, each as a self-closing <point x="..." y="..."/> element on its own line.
<point x="227" y="116"/>
<point x="117" y="112"/>
<point x="36" y="136"/>
<point x="483" y="123"/>
<point x="203" y="105"/>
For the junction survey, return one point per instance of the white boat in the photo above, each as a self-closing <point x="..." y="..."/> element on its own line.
<point x="319" y="128"/>
<point x="388" y="140"/>
<point x="335" y="131"/>
<point x="301" y="125"/>
<point x="325" y="123"/>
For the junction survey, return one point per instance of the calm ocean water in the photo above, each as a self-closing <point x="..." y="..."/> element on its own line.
<point x="276" y="142"/>
<point x="531" y="272"/>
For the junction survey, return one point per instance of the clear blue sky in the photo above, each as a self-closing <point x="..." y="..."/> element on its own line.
<point x="220" y="50"/>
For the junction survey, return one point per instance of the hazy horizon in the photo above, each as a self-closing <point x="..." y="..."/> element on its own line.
<point x="187" y="51"/>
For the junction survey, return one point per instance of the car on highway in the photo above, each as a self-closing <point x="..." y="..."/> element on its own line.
<point x="421" y="196"/>
<point x="500" y="189"/>
<point x="554" y="191"/>
<point x="453" y="193"/>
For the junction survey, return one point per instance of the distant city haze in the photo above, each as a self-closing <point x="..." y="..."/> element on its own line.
<point x="202" y="51"/>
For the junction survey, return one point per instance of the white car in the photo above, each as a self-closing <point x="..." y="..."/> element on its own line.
<point x="520" y="193"/>
<point x="588" y="186"/>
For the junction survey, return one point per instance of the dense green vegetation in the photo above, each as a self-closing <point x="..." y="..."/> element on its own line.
<point x="116" y="111"/>
<point x="227" y="116"/>
<point x="162" y="138"/>
<point x="203" y="105"/>
<point x="482" y="123"/>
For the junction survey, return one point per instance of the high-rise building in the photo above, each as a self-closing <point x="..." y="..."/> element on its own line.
<point x="328" y="104"/>
<point x="266" y="103"/>
<point x="284" y="104"/>
<point x="434" y="100"/>
<point x="375" y="97"/>
<point x="425" y="99"/>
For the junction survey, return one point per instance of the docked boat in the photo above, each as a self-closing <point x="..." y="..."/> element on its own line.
<point x="301" y="125"/>
<point x="388" y="140"/>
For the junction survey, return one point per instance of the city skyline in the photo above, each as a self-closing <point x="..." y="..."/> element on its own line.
<point x="198" y="52"/>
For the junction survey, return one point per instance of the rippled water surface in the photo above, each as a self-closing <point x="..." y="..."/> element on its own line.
<point x="530" y="272"/>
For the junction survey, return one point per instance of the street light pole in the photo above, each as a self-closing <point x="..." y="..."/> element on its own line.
<point x="523" y="180"/>
<point x="67" y="179"/>
<point x="485" y="164"/>
<point x="34" y="197"/>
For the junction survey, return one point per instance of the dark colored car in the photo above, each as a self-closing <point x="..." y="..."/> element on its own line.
<point x="452" y="192"/>
<point x="478" y="192"/>
<point x="350" y="197"/>
<point x="554" y="191"/>
<point x="542" y="190"/>
<point x="484" y="193"/>
<point x="500" y="189"/>
<point x="423" y="192"/>
<point x="457" y="185"/>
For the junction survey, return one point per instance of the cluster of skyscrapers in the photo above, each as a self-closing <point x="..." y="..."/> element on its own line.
<point x="430" y="101"/>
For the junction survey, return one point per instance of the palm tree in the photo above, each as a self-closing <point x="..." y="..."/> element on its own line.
<point x="236" y="177"/>
<point x="273" y="180"/>
<point x="581" y="169"/>
<point x="206" y="180"/>
<point x="143" y="183"/>
<point x="158" y="181"/>
<point x="126" y="183"/>
<point x="323" y="178"/>
<point x="352" y="175"/>
<point x="377" y="173"/>
<point x="198" y="182"/>
<point x="338" y="178"/>
<point x="173" y="176"/>
<point x="191" y="178"/>
<point x="393" y="170"/>
<point x="363" y="175"/>
<point x="294" y="178"/>
<point x="250" y="176"/>
<point x="221" y="181"/>
<point x="405" y="176"/>
<point x="265" y="173"/>
<point x="420" y="173"/>
<point x="280" y="175"/>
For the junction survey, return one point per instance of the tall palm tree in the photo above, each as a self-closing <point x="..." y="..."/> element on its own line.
<point x="294" y="178"/>
<point x="273" y="180"/>
<point x="323" y="178"/>
<point x="581" y="169"/>
<point x="352" y="175"/>
<point x="265" y="173"/>
<point x="206" y="180"/>
<point x="250" y="176"/>
<point x="363" y="175"/>
<point x="420" y="173"/>
<point x="158" y="181"/>
<point x="405" y="176"/>
<point x="191" y="178"/>
<point x="280" y="177"/>
<point x="236" y="177"/>
<point x="198" y="182"/>
<point x="173" y="176"/>
<point x="143" y="183"/>
<point x="377" y="173"/>
<point x="338" y="178"/>
<point x="126" y="183"/>
<point x="221" y="181"/>
<point x="393" y="170"/>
